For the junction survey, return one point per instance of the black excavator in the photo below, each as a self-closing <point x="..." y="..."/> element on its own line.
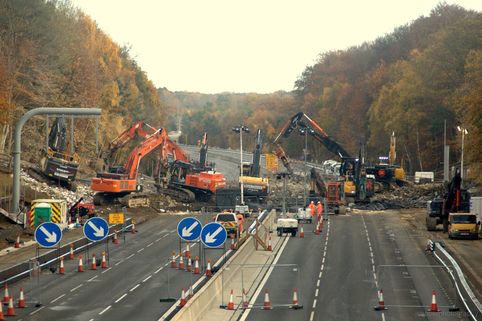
<point x="57" y="165"/>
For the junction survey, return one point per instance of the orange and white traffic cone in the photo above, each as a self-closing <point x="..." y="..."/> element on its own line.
<point x="270" y="248"/>
<point x="233" y="245"/>
<point x="181" y="261"/>
<point x="317" y="230"/>
<point x="266" y="303"/>
<point x="115" y="239"/>
<point x="183" y="298"/>
<point x="173" y="260"/>
<point x="71" y="254"/>
<point x="81" y="265"/>
<point x="231" y="302"/>
<point x="6" y="296"/>
<point x="61" y="267"/>
<point x="434" y="306"/>
<point x="189" y="265"/>
<point x="21" y="300"/>
<point x="93" y="265"/>
<point x="2" y="317"/>
<point x="10" y="310"/>
<point x="196" y="266"/>
<point x="295" y="299"/>
<point x="187" y="253"/>
<point x="209" y="273"/>
<point x="381" y="301"/>
<point x="245" y="300"/>
<point x="302" y="233"/>
<point x="17" y="242"/>
<point x="104" y="261"/>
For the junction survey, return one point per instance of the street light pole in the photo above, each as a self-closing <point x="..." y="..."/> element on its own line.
<point x="240" y="130"/>
<point x="303" y="132"/>
<point x="464" y="132"/>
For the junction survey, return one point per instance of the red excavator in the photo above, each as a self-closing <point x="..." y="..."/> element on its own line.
<point x="118" y="182"/>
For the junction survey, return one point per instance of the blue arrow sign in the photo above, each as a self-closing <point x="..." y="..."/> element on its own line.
<point x="189" y="229"/>
<point x="48" y="234"/>
<point x="96" y="229"/>
<point x="213" y="234"/>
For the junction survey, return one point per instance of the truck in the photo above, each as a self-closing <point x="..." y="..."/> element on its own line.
<point x="463" y="225"/>
<point x="230" y="222"/>
<point x="287" y="225"/>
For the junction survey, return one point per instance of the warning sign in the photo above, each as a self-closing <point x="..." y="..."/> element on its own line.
<point x="271" y="162"/>
<point x="116" y="218"/>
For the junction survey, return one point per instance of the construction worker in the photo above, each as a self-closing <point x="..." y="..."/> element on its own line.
<point x="312" y="209"/>
<point x="319" y="210"/>
<point x="240" y="217"/>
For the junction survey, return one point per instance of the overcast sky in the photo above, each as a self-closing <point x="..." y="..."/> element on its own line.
<point x="258" y="46"/>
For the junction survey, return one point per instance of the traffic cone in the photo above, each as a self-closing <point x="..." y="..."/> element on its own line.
<point x="183" y="298"/>
<point x="434" y="306"/>
<point x="233" y="245"/>
<point x="6" y="296"/>
<point x="270" y="248"/>
<point x="61" y="268"/>
<point x="81" y="265"/>
<point x="196" y="266"/>
<point x="317" y="230"/>
<point x="2" y="317"/>
<point x="302" y="233"/>
<point x="21" y="300"/>
<point x="10" y="310"/>
<point x="189" y="265"/>
<point x="381" y="301"/>
<point x="115" y="239"/>
<point x="295" y="299"/>
<point x="104" y="262"/>
<point x="173" y="260"/>
<point x="209" y="273"/>
<point x="266" y="303"/>
<point x="181" y="261"/>
<point x="71" y="254"/>
<point x="187" y="253"/>
<point x="231" y="302"/>
<point x="245" y="300"/>
<point x="93" y="265"/>
<point x="17" y="242"/>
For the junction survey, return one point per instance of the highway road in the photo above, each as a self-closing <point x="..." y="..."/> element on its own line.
<point x="341" y="271"/>
<point x="138" y="277"/>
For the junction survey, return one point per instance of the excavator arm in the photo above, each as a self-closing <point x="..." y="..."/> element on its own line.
<point x="203" y="153"/>
<point x="255" y="168"/>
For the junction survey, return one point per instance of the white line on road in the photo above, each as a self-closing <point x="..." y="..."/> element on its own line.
<point x="323" y="260"/>
<point x="150" y="276"/>
<point x="92" y="278"/>
<point x="322" y="267"/>
<point x="129" y="256"/>
<point x="150" y="244"/>
<point x="78" y="286"/>
<point x="102" y="312"/>
<point x="312" y="315"/>
<point x="135" y="287"/>
<point x="159" y="269"/>
<point x="58" y="298"/>
<point x="123" y="296"/>
<point x="33" y="312"/>
<point x="106" y="270"/>
<point x="119" y="262"/>
<point x="316" y="293"/>
<point x="319" y="275"/>
<point x="318" y="283"/>
<point x="140" y="250"/>
<point x="314" y="303"/>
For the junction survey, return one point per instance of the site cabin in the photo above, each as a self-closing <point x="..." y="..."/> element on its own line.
<point x="424" y="177"/>
<point x="47" y="210"/>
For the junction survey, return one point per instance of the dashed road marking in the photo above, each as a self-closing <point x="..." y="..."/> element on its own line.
<point x="78" y="286"/>
<point x="318" y="283"/>
<point x="312" y="315"/>
<point x="119" y="262"/>
<point x="316" y="293"/>
<point x="129" y="256"/>
<point x="106" y="270"/>
<point x="119" y="299"/>
<point x="319" y="275"/>
<point x="150" y="276"/>
<point x="149" y="244"/>
<point x="103" y="311"/>
<point x="135" y="287"/>
<point x="92" y="278"/>
<point x="33" y="312"/>
<point x="57" y="298"/>
<point x="159" y="269"/>
<point x="140" y="250"/>
<point x="314" y="303"/>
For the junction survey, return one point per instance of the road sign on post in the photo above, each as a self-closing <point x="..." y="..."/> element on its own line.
<point x="96" y="229"/>
<point x="48" y="234"/>
<point x="116" y="218"/>
<point x="189" y="229"/>
<point x="213" y="235"/>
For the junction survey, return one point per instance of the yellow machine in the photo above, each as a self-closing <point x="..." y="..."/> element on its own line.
<point x="463" y="225"/>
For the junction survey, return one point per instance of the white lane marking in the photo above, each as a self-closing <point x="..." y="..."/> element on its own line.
<point x="314" y="303"/>
<point x="78" y="286"/>
<point x="316" y="293"/>
<point x="312" y="315"/>
<point x="375" y="276"/>
<point x="33" y="312"/>
<point x="129" y="256"/>
<point x="322" y="267"/>
<point x="244" y="316"/>
<point x="135" y="287"/>
<point x="92" y="278"/>
<point x="91" y="320"/>
<point x="123" y="296"/>
<point x="149" y="244"/>
<point x="119" y="262"/>
<point x="150" y="276"/>
<point x="159" y="269"/>
<point x="383" y="316"/>
<point x="140" y="250"/>
<point x="319" y="275"/>
<point x="58" y="298"/>
<point x="106" y="270"/>
<point x="318" y="283"/>
<point x="323" y="260"/>
<point x="102" y="312"/>
<point x="373" y="262"/>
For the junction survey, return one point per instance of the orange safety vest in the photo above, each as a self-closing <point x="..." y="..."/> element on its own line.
<point x="319" y="209"/>
<point x="312" y="208"/>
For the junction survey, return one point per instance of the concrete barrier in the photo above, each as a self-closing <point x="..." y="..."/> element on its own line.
<point x="210" y="295"/>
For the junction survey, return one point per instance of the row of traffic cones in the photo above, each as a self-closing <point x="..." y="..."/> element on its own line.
<point x="185" y="297"/>
<point x="381" y="302"/>
<point x="8" y="300"/>
<point x="318" y="229"/>
<point x="189" y="267"/>
<point x="266" y="303"/>
<point x="80" y="267"/>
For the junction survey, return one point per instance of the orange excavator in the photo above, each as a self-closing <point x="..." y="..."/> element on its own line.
<point x="119" y="182"/>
